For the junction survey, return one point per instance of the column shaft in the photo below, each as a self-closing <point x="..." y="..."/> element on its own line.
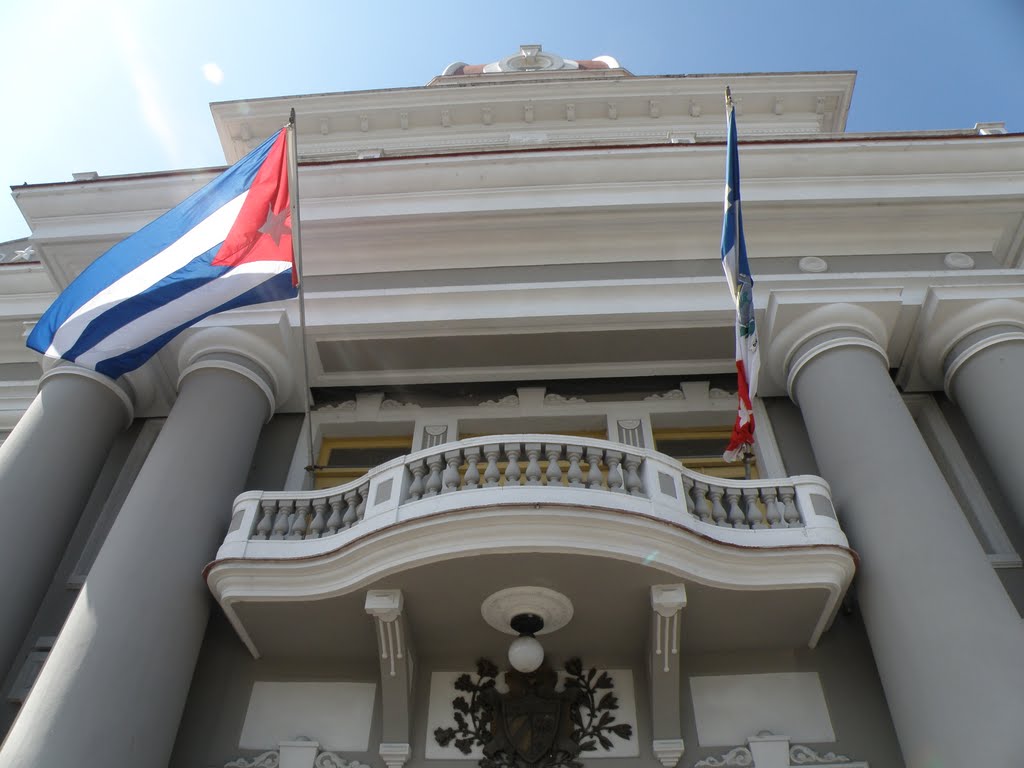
<point x="987" y="388"/>
<point x="946" y="638"/>
<point x="48" y="466"/>
<point x="113" y="689"/>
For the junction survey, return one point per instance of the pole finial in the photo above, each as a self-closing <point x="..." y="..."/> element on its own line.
<point x="291" y="118"/>
<point x="728" y="97"/>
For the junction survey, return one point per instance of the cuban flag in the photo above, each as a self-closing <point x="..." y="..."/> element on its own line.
<point x="226" y="246"/>
<point x="741" y="284"/>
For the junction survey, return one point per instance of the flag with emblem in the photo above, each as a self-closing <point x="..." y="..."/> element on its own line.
<point x="741" y="284"/>
<point x="228" y="245"/>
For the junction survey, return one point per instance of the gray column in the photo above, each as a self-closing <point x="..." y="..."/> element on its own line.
<point x="984" y="376"/>
<point x="947" y="640"/>
<point x="114" y="687"/>
<point x="48" y="466"/>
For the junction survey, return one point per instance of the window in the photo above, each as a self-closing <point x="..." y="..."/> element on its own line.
<point x="700" y="449"/>
<point x="347" y="458"/>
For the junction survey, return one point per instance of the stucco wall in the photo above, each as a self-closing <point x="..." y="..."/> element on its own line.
<point x="853" y="691"/>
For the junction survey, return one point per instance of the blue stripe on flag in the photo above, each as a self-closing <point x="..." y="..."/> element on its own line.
<point x="273" y="289"/>
<point x="139" y="248"/>
<point x="732" y="222"/>
<point x="195" y="274"/>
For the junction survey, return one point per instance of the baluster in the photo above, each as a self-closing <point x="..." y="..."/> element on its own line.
<point x="434" y="481"/>
<point x="281" y="521"/>
<point x="575" y="474"/>
<point x="364" y="492"/>
<point x="266" y="525"/>
<point x="316" y="528"/>
<point x="492" y="476"/>
<point x="533" y="465"/>
<point x="300" y="521"/>
<point x="418" y="486"/>
<point x="335" y="521"/>
<point x="700" y="501"/>
<point x="554" y="472"/>
<point x="735" y="519"/>
<point x="472" y="479"/>
<point x="512" y="473"/>
<point x="351" y="501"/>
<point x="613" y="459"/>
<point x="771" y="508"/>
<point x="451" y="477"/>
<point x="718" y="514"/>
<point x="790" y="513"/>
<point x="754" y="516"/>
<point x="688" y="495"/>
<point x="633" y="484"/>
<point x="594" y="477"/>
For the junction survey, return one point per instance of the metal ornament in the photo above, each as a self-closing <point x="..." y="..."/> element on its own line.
<point x="533" y="725"/>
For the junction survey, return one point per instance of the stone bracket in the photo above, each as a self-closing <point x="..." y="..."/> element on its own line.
<point x="667" y="602"/>
<point x="396" y="669"/>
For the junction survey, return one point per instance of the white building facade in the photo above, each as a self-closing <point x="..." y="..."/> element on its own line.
<point x="520" y="353"/>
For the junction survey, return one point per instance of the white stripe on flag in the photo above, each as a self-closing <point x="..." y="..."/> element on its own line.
<point x="731" y="269"/>
<point x="144" y="329"/>
<point x="198" y="240"/>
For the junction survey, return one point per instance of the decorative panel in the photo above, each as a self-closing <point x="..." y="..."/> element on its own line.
<point x="336" y="715"/>
<point x="730" y="708"/>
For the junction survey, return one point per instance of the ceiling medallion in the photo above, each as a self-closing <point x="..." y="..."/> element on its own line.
<point x="553" y="608"/>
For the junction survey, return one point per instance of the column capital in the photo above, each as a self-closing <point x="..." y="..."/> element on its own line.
<point x="823" y="342"/>
<point x="973" y="342"/>
<point x="247" y="354"/>
<point x="948" y="316"/>
<point x="801" y="324"/>
<point x="120" y="388"/>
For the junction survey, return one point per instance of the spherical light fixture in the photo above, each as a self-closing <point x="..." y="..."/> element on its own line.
<point x="526" y="654"/>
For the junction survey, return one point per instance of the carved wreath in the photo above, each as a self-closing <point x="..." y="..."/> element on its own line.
<point x="591" y="713"/>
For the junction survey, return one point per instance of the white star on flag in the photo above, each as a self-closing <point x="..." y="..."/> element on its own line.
<point x="275" y="226"/>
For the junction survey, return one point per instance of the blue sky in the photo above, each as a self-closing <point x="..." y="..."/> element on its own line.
<point x="123" y="86"/>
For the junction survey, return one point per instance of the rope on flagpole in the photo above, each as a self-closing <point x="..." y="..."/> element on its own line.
<point x="293" y="196"/>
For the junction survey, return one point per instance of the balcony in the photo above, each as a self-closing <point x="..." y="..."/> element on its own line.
<point x="765" y="561"/>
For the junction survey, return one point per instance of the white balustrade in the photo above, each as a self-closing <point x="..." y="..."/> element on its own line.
<point x="532" y="470"/>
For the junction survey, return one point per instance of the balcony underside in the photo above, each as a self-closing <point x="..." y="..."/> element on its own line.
<point x="780" y="590"/>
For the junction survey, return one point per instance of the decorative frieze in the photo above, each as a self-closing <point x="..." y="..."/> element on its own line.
<point x="296" y="754"/>
<point x="766" y="750"/>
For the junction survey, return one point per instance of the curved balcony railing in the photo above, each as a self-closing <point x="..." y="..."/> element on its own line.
<point x="533" y="469"/>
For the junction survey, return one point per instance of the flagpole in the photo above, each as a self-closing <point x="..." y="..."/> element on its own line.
<point x="293" y="197"/>
<point x="748" y="453"/>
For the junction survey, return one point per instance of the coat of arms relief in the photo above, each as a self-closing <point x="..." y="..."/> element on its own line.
<point x="534" y="725"/>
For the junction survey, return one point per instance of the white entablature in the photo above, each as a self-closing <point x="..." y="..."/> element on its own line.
<point x="486" y="112"/>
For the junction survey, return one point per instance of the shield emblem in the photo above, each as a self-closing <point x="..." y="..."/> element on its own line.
<point x="531" y="726"/>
